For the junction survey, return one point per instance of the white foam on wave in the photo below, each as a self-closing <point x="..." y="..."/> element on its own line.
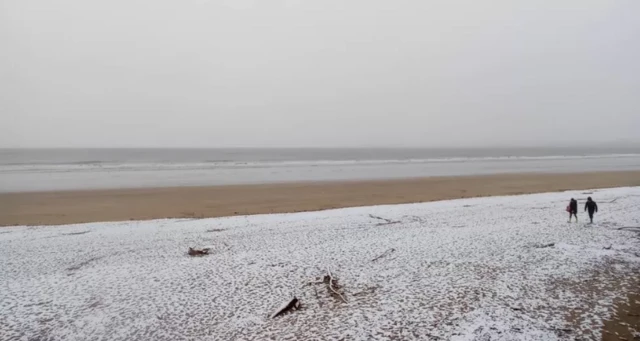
<point x="158" y="166"/>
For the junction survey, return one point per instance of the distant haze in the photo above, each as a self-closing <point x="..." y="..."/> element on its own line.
<point x="324" y="73"/>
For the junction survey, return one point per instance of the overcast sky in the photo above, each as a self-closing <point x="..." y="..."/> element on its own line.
<point x="324" y="73"/>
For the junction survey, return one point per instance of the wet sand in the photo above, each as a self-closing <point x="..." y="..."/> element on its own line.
<point x="625" y="322"/>
<point x="66" y="207"/>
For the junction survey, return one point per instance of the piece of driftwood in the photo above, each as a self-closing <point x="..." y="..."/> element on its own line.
<point x="386" y="221"/>
<point x="332" y="285"/>
<point x="198" y="252"/>
<point x="542" y="246"/>
<point x="293" y="304"/>
<point x="384" y="254"/>
<point x="75" y="233"/>
<point x="80" y="265"/>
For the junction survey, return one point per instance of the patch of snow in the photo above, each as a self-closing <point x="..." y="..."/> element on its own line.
<point x="499" y="268"/>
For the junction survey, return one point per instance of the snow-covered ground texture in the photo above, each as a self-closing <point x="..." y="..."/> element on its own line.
<point x="501" y="268"/>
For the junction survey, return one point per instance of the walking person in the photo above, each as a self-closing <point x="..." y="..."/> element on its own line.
<point x="573" y="209"/>
<point x="592" y="207"/>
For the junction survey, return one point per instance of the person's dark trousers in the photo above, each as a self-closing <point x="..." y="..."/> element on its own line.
<point x="591" y="215"/>
<point x="573" y="214"/>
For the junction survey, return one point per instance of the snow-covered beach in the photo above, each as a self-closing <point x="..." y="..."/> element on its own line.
<point x="498" y="268"/>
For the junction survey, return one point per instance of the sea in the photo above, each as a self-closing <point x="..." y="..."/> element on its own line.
<point x="24" y="170"/>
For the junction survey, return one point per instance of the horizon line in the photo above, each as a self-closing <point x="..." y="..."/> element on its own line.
<point x="577" y="145"/>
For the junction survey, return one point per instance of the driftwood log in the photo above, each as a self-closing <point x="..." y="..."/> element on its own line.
<point x="388" y="252"/>
<point x="332" y="285"/>
<point x="293" y="304"/>
<point x="197" y="252"/>
<point x="386" y="221"/>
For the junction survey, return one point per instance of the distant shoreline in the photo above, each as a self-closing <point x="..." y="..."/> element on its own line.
<point x="67" y="207"/>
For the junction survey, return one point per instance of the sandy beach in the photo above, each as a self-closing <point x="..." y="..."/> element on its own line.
<point x="492" y="268"/>
<point x="66" y="207"/>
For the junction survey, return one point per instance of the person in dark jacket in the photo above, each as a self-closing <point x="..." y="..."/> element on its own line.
<point x="592" y="207"/>
<point x="573" y="209"/>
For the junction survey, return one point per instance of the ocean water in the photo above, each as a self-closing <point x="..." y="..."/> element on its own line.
<point x="61" y="169"/>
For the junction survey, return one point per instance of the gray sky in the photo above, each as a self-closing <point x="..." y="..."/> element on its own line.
<point x="326" y="73"/>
